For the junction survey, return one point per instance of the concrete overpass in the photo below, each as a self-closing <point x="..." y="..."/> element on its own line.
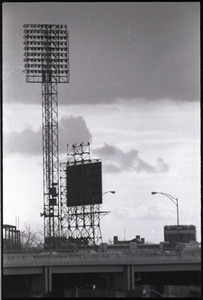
<point x="47" y="272"/>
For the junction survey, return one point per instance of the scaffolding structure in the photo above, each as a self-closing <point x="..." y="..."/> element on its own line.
<point x="47" y="62"/>
<point x="80" y="223"/>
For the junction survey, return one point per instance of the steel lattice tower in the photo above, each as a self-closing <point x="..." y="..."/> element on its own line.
<point x="47" y="61"/>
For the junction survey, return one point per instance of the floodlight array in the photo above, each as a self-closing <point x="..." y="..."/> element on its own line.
<point x="46" y="54"/>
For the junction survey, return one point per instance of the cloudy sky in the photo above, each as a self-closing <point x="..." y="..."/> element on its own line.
<point x="134" y="94"/>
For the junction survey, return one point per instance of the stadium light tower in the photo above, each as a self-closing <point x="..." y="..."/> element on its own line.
<point x="47" y="62"/>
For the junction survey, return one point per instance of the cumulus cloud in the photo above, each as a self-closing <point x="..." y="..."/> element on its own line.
<point x="116" y="160"/>
<point x="25" y="142"/>
<point x="71" y="130"/>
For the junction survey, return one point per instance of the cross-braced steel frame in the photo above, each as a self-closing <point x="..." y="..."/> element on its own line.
<point x="79" y="223"/>
<point x="46" y="61"/>
<point x="50" y="160"/>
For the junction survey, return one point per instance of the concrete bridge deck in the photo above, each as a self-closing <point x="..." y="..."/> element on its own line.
<point x="51" y="272"/>
<point x="66" y="262"/>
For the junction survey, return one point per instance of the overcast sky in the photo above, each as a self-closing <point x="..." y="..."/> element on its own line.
<point x="134" y="94"/>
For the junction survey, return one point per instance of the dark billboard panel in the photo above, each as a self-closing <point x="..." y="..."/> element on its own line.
<point x="84" y="184"/>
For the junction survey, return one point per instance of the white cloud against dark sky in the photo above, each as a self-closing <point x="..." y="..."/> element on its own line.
<point x="134" y="94"/>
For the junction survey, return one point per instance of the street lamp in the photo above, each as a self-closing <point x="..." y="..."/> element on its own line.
<point x="112" y="192"/>
<point x="175" y="201"/>
<point x="151" y="290"/>
<point x="96" y="213"/>
<point x="100" y="195"/>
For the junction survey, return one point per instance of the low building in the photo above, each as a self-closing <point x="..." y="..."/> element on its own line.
<point x="137" y="240"/>
<point x="11" y="237"/>
<point x="182" y="233"/>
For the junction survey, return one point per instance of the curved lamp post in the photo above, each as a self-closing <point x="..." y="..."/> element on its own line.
<point x="93" y="212"/>
<point x="100" y="195"/>
<point x="151" y="290"/>
<point x="175" y="201"/>
<point x="112" y="192"/>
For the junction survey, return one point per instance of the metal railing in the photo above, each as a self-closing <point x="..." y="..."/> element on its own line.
<point x="83" y="254"/>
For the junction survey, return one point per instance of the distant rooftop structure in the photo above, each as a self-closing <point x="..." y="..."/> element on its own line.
<point x="187" y="233"/>
<point x="137" y="240"/>
<point x="11" y="237"/>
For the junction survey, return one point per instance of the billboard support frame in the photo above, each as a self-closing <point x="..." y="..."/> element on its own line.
<point x="79" y="224"/>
